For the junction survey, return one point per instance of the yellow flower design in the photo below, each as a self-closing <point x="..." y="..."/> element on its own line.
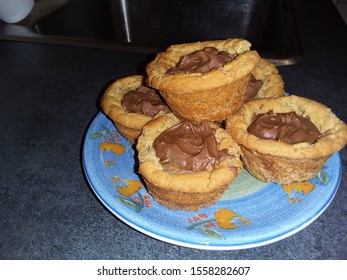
<point x="297" y="190"/>
<point x="224" y="218"/>
<point x="116" y="148"/>
<point x="132" y="187"/>
<point x="304" y="187"/>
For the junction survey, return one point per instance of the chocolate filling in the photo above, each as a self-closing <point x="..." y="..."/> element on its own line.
<point x="289" y="127"/>
<point x="253" y="87"/>
<point x="201" y="61"/>
<point x="189" y="147"/>
<point x="143" y="100"/>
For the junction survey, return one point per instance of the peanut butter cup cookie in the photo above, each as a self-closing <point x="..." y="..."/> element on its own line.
<point x="130" y="104"/>
<point x="204" y="80"/>
<point x="286" y="139"/>
<point x="185" y="165"/>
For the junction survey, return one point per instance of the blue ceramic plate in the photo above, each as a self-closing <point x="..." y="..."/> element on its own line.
<point x="250" y="214"/>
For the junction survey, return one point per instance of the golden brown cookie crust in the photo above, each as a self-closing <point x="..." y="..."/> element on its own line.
<point x="232" y="71"/>
<point x="192" y="95"/>
<point x="188" y="185"/>
<point x="270" y="160"/>
<point x="210" y="105"/>
<point x="128" y="124"/>
<point x="184" y="201"/>
<point x="273" y="85"/>
<point x="282" y="170"/>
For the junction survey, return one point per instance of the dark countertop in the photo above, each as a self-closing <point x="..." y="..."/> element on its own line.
<point x="49" y="96"/>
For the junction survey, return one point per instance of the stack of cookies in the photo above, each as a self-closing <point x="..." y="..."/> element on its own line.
<point x="189" y="114"/>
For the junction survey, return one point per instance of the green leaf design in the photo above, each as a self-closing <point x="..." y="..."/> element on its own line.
<point x="323" y="177"/>
<point x="142" y="203"/>
<point x="98" y="134"/>
<point x="109" y="133"/>
<point x="190" y="227"/>
<point x="210" y="233"/>
<point x="127" y="201"/>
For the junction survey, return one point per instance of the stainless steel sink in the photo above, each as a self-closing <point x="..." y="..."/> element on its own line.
<point x="152" y="25"/>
